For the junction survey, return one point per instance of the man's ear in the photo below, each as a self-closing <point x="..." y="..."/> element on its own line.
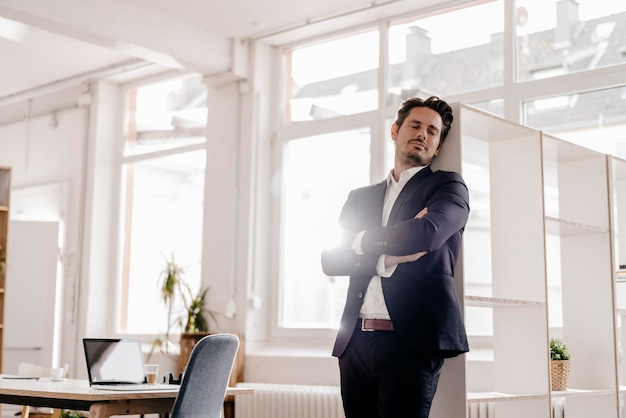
<point x="439" y="147"/>
<point x="394" y="131"/>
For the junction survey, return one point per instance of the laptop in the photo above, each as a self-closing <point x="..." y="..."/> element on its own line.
<point x="118" y="364"/>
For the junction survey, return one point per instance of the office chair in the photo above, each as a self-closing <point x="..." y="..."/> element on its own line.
<point x="205" y="379"/>
<point x="35" y="370"/>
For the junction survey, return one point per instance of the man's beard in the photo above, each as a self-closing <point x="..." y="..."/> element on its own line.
<point x="415" y="159"/>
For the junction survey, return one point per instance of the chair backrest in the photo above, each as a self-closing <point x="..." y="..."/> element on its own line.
<point x="33" y="370"/>
<point x="36" y="370"/>
<point x="205" y="379"/>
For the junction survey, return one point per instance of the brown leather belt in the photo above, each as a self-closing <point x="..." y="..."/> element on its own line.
<point x="376" y="325"/>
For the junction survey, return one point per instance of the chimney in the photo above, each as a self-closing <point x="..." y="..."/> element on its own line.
<point x="567" y="22"/>
<point x="418" y="52"/>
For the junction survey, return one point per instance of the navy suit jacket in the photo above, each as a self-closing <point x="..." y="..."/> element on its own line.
<point x="420" y="296"/>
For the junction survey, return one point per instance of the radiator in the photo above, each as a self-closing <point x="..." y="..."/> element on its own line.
<point x="289" y="401"/>
<point x="558" y="408"/>
<point x="481" y="410"/>
<point x="487" y="409"/>
<point x="307" y="401"/>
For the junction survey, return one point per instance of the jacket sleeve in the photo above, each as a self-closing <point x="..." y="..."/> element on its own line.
<point x="448" y="211"/>
<point x="342" y="260"/>
<point x="345" y="262"/>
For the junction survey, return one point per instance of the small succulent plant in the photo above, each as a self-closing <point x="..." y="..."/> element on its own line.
<point x="558" y="350"/>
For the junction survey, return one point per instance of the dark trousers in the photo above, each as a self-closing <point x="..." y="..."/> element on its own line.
<point x="381" y="378"/>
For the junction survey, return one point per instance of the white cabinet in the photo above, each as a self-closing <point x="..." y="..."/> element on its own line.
<point x="539" y="261"/>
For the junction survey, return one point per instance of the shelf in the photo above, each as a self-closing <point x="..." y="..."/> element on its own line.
<point x="4" y="208"/>
<point x="558" y="249"/>
<point x="477" y="397"/>
<point x="561" y="151"/>
<point x="489" y="302"/>
<point x="491" y="128"/>
<point x="561" y="227"/>
<point x="619" y="168"/>
<point x="582" y="392"/>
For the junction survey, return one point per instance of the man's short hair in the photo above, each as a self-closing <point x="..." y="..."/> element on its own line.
<point x="434" y="103"/>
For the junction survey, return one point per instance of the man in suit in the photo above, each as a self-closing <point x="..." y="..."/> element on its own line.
<point x="401" y="239"/>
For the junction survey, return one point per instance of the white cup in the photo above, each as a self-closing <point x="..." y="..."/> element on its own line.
<point x="152" y="372"/>
<point x="56" y="373"/>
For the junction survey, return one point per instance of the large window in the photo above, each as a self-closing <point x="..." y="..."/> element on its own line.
<point x="459" y="54"/>
<point x="334" y="78"/>
<point x="427" y="56"/>
<point x="309" y="222"/>
<point x="557" y="37"/>
<point x="595" y="119"/>
<point x="163" y="170"/>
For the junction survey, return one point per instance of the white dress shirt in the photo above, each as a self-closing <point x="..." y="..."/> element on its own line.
<point x="374" y="304"/>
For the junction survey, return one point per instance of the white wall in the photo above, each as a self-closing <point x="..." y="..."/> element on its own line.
<point x="48" y="148"/>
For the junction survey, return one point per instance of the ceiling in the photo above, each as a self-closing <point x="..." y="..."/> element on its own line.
<point x="48" y="43"/>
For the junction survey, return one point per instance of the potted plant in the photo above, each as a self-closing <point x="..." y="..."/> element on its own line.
<point x="171" y="287"/>
<point x="195" y="310"/>
<point x="195" y="326"/>
<point x="559" y="364"/>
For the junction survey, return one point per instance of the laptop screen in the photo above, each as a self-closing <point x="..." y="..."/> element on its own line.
<point x="111" y="361"/>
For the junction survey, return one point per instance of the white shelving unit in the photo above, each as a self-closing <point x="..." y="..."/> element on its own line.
<point x="618" y="195"/>
<point x="540" y="260"/>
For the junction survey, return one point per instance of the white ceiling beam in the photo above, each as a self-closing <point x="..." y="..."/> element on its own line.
<point x="125" y="28"/>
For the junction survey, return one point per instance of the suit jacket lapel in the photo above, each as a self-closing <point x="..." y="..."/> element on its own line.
<point x="378" y="200"/>
<point x="407" y="190"/>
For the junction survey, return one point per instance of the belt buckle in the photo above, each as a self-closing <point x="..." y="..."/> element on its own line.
<point x="363" y="326"/>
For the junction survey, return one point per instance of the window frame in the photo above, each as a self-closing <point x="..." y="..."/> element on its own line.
<point x="120" y="291"/>
<point x="512" y="93"/>
<point x="368" y="121"/>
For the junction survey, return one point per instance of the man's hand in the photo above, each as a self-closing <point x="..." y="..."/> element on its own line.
<point x="421" y="214"/>
<point x="391" y="260"/>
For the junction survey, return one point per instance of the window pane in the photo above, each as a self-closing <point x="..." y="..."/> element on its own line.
<point x="164" y="218"/>
<point x="594" y="119"/>
<point x="427" y="56"/>
<point x="334" y="78"/>
<point x="318" y="173"/>
<point x="495" y="107"/>
<point x="556" y="37"/>
<point x="165" y="115"/>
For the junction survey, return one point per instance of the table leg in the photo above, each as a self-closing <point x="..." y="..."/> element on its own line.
<point x="99" y="410"/>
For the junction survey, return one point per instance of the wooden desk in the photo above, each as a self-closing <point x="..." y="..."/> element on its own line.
<point x="77" y="395"/>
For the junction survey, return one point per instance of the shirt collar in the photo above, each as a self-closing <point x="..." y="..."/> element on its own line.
<point x="405" y="176"/>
